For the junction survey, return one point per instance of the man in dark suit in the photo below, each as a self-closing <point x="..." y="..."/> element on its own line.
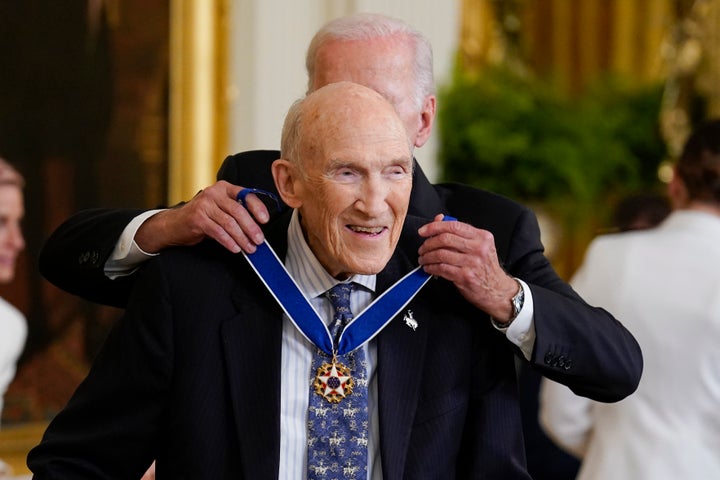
<point x="199" y="374"/>
<point x="569" y="342"/>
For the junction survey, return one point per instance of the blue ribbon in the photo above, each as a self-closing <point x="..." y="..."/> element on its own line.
<point x="286" y="292"/>
<point x="361" y="328"/>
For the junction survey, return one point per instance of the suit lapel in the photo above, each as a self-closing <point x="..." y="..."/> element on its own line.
<point x="424" y="199"/>
<point x="252" y="341"/>
<point x="401" y="351"/>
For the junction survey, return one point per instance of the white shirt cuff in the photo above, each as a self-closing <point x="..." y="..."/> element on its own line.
<point x="127" y="256"/>
<point x="521" y="331"/>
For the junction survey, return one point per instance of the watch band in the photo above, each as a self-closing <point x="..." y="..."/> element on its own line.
<point x="517" y="302"/>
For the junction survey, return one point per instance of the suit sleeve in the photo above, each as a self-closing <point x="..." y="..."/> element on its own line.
<point x="578" y="345"/>
<point x="74" y="256"/>
<point x="109" y="428"/>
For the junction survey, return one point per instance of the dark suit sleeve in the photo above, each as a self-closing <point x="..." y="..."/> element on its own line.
<point x="578" y="345"/>
<point x="110" y="427"/>
<point x="581" y="346"/>
<point x="74" y="256"/>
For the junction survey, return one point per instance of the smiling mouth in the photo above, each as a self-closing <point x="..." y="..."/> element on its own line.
<point x="366" y="230"/>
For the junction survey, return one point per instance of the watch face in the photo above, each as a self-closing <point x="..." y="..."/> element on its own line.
<point x="518" y="301"/>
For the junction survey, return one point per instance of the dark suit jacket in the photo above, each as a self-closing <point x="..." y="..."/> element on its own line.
<point x="191" y="376"/>
<point x="580" y="346"/>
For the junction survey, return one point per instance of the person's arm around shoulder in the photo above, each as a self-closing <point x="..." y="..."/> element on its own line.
<point x="75" y="257"/>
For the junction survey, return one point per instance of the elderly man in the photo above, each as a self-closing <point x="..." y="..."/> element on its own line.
<point x="493" y="241"/>
<point x="206" y="374"/>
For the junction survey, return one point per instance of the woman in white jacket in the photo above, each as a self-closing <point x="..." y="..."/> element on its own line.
<point x="664" y="285"/>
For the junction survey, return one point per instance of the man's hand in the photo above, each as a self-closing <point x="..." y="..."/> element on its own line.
<point x="466" y="256"/>
<point x="214" y="212"/>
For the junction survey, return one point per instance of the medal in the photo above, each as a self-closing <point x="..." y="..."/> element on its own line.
<point x="333" y="381"/>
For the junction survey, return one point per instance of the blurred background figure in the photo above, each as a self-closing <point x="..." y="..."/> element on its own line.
<point x="546" y="460"/>
<point x="663" y="284"/>
<point x="639" y="211"/>
<point x="13" y="328"/>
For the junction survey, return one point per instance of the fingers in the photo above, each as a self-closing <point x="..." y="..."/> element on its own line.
<point x="456" y="251"/>
<point x="213" y="213"/>
<point x="257" y="208"/>
<point x="467" y="257"/>
<point x="456" y="236"/>
<point x="438" y="226"/>
<point x="221" y="217"/>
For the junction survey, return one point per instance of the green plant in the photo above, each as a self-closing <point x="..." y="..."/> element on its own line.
<point x="571" y="155"/>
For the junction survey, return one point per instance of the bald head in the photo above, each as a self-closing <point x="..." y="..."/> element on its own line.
<point x="347" y="168"/>
<point x="335" y="111"/>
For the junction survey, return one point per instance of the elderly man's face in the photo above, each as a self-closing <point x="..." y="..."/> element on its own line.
<point x="355" y="190"/>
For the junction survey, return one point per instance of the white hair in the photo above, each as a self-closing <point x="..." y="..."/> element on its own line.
<point x="366" y="26"/>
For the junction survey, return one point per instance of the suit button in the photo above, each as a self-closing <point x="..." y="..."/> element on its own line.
<point x="549" y="358"/>
<point x="568" y="364"/>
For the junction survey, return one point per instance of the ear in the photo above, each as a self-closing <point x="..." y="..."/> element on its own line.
<point x="427" y="118"/>
<point x="285" y="175"/>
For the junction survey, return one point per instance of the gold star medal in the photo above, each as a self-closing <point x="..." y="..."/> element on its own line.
<point x="333" y="381"/>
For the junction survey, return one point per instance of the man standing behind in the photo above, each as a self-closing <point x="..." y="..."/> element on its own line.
<point x="665" y="283"/>
<point x="494" y="239"/>
<point x="206" y="374"/>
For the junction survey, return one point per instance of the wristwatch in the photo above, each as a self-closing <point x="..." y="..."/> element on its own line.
<point x="517" y="303"/>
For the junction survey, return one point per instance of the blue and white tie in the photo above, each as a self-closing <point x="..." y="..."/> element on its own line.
<point x="337" y="432"/>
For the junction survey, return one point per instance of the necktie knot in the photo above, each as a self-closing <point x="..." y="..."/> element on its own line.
<point x="339" y="297"/>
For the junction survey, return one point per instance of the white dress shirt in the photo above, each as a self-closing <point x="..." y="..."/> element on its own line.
<point x="13" y="333"/>
<point x="664" y="285"/>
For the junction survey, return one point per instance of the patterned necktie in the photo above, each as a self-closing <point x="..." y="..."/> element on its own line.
<point x="337" y="430"/>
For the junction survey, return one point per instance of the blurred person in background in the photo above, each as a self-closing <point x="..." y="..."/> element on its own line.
<point x="639" y="211"/>
<point x="545" y="459"/>
<point x="664" y="284"/>
<point x="13" y="327"/>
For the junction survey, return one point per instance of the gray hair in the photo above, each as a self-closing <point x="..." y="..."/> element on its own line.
<point x="366" y="26"/>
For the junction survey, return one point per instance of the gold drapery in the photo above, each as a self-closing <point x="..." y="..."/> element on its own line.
<point x="575" y="41"/>
<point x="198" y="106"/>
